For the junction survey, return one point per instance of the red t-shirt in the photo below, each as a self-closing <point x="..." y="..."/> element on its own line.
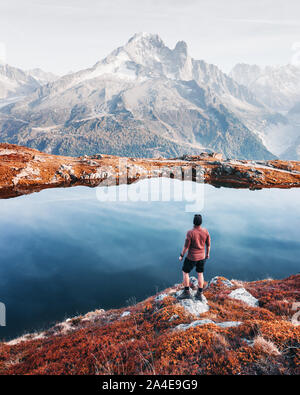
<point x="195" y="241"/>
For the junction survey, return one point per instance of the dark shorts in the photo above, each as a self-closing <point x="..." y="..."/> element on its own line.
<point x="189" y="265"/>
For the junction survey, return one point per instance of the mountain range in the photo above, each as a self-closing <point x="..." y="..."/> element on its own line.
<point x="278" y="87"/>
<point x="145" y="99"/>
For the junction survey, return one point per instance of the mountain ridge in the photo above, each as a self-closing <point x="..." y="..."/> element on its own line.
<point x="278" y="87"/>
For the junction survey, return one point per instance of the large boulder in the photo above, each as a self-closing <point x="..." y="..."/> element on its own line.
<point x="193" y="306"/>
<point x="245" y="296"/>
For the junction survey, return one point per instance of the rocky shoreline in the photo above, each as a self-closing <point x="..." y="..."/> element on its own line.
<point x="24" y="170"/>
<point x="239" y="328"/>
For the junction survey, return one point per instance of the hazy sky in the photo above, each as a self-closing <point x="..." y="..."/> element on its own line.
<point x="64" y="35"/>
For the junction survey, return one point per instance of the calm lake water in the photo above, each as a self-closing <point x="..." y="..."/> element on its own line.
<point x="63" y="252"/>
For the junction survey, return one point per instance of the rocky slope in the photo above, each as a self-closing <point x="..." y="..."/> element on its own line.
<point x="25" y="170"/>
<point x="278" y="87"/>
<point x="240" y="328"/>
<point x="292" y="151"/>
<point x="144" y="99"/>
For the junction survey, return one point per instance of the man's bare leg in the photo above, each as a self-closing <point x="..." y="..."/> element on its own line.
<point x="186" y="282"/>
<point x="186" y="279"/>
<point x="200" y="280"/>
<point x="198" y="295"/>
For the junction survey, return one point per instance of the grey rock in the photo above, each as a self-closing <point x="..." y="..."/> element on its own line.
<point x="226" y="282"/>
<point x="225" y="324"/>
<point x="195" y="307"/>
<point x="184" y="327"/>
<point x="160" y="297"/>
<point x="228" y="324"/>
<point x="243" y="295"/>
<point x="227" y="169"/>
<point x="125" y="314"/>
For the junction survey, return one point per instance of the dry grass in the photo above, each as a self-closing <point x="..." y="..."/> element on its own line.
<point x="265" y="346"/>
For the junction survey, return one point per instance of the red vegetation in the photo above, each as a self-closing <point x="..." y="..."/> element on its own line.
<point x="145" y="342"/>
<point x="25" y="170"/>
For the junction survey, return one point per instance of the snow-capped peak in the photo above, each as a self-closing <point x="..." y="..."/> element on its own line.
<point x="146" y="37"/>
<point x="145" y="56"/>
<point x="143" y="46"/>
<point x="146" y="49"/>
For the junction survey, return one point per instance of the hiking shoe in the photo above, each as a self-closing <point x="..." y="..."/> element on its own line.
<point x="199" y="296"/>
<point x="185" y="294"/>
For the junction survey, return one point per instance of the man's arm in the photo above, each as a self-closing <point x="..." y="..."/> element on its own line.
<point x="186" y="246"/>
<point x="207" y="246"/>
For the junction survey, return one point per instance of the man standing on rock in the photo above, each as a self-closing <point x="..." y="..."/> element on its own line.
<point x="197" y="243"/>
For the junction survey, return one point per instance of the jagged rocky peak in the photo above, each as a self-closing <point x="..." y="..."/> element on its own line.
<point x="154" y="42"/>
<point x="145" y="37"/>
<point x="148" y="49"/>
<point x="183" y="61"/>
<point x="15" y="82"/>
<point x="181" y="48"/>
<point x="143" y="47"/>
<point x="145" y="54"/>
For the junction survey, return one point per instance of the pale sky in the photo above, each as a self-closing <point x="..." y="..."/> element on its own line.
<point x="65" y="35"/>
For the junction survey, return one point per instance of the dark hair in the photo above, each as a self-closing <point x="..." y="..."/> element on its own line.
<point x="197" y="219"/>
